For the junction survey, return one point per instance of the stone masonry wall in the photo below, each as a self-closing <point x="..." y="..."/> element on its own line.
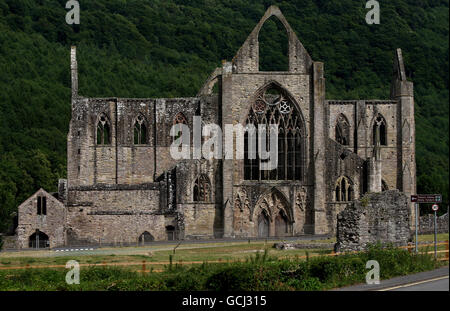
<point x="426" y="224"/>
<point x="377" y="217"/>
<point x="51" y="224"/>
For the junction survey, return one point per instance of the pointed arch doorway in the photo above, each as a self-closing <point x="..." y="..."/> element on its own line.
<point x="263" y="226"/>
<point x="38" y="240"/>
<point x="273" y="215"/>
<point x="281" y="225"/>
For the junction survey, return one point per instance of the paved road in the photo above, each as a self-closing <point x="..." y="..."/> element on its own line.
<point x="435" y="285"/>
<point x="435" y="280"/>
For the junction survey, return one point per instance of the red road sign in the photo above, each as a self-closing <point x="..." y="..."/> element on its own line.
<point x="426" y="198"/>
<point x="435" y="207"/>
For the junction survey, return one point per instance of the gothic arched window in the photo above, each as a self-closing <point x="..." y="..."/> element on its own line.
<point x="179" y="119"/>
<point x="274" y="106"/>
<point x="379" y="125"/>
<point x="342" y="130"/>
<point x="343" y="190"/>
<point x="202" y="189"/>
<point x="103" y="131"/>
<point x="140" y="131"/>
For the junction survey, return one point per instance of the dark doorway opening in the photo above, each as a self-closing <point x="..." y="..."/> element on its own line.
<point x="39" y="240"/>
<point x="281" y="225"/>
<point x="171" y="235"/>
<point x="146" y="237"/>
<point x="263" y="226"/>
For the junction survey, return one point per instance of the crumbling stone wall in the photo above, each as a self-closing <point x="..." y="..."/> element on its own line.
<point x="9" y="242"/>
<point x="426" y="224"/>
<point x="341" y="161"/>
<point x="202" y="219"/>
<point x="377" y="217"/>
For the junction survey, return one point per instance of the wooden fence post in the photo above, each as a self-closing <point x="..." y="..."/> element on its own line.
<point x="446" y="248"/>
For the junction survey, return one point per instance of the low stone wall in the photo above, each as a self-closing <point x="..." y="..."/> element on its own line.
<point x="377" y="217"/>
<point x="426" y="224"/>
<point x="9" y="242"/>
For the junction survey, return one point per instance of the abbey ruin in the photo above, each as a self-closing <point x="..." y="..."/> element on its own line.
<point x="123" y="186"/>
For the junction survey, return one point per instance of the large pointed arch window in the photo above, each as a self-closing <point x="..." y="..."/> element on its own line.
<point x="103" y="131"/>
<point x="274" y="106"/>
<point x="140" y="131"/>
<point x="380" y="127"/>
<point x="202" y="189"/>
<point x="342" y="130"/>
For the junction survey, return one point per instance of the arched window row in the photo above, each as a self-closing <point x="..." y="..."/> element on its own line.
<point x="344" y="190"/>
<point x="379" y="131"/>
<point x="273" y="106"/>
<point x="342" y="130"/>
<point x="140" y="129"/>
<point x="202" y="189"/>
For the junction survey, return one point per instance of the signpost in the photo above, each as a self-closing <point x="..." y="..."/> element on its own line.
<point x="426" y="198"/>
<point x="435" y="208"/>
<point x="417" y="225"/>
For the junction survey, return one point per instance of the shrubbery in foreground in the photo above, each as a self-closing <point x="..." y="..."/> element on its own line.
<point x="258" y="273"/>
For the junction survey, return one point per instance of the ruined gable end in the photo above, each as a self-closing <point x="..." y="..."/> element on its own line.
<point x="247" y="58"/>
<point x="41" y="221"/>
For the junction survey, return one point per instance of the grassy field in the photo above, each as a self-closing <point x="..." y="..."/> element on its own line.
<point x="156" y="256"/>
<point x="430" y="237"/>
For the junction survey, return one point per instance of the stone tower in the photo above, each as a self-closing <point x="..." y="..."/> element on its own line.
<point x="403" y="92"/>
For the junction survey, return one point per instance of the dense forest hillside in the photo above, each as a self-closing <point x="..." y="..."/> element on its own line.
<point x="165" y="48"/>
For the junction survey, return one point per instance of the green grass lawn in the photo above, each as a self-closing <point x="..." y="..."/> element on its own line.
<point x="430" y="237"/>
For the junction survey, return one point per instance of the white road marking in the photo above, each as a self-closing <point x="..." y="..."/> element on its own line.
<point x="73" y="249"/>
<point x="412" y="284"/>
